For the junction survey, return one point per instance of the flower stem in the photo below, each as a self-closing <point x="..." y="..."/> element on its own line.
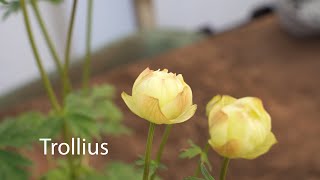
<point x="161" y="148"/>
<point x="224" y="169"/>
<point x="57" y="60"/>
<point x="66" y="85"/>
<point x="205" y="150"/>
<point x="87" y="63"/>
<point x="148" y="151"/>
<point x="54" y="54"/>
<point x="44" y="76"/>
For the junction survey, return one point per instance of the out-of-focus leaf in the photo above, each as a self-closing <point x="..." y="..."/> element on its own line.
<point x="83" y="126"/>
<point x="55" y="1"/>
<point x="205" y="172"/>
<point x="20" y="130"/>
<point x="193" y="178"/>
<point x="94" y="108"/>
<point x="27" y="128"/>
<point x="13" y="166"/>
<point x="205" y="160"/>
<point x="3" y="2"/>
<point x="154" y="165"/>
<point x="10" y="7"/>
<point x="61" y="172"/>
<point x="191" y="152"/>
<point x="121" y="171"/>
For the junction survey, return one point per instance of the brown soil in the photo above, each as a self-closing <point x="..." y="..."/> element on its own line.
<point x="256" y="60"/>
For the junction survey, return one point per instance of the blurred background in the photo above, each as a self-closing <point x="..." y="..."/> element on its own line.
<point x="113" y="21"/>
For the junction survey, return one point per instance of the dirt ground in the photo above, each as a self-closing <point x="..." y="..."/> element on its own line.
<point x="258" y="59"/>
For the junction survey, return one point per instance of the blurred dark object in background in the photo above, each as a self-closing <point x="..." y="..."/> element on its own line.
<point x="300" y="18"/>
<point x="207" y="31"/>
<point x="262" y="11"/>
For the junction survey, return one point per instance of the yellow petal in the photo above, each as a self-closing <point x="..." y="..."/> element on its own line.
<point x="254" y="107"/>
<point x="263" y="148"/>
<point x="218" y="129"/>
<point x="130" y="103"/>
<point x="187" y="114"/>
<point x="218" y="102"/>
<point x="145" y="107"/>
<point x="142" y="75"/>
<point x="179" y="104"/>
<point x="230" y="149"/>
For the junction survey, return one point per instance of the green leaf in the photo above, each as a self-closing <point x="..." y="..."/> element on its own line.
<point x="55" y="1"/>
<point x="94" y="108"/>
<point x="3" y="2"/>
<point x="191" y="152"/>
<point x="13" y="166"/>
<point x="205" y="172"/>
<point x="10" y="7"/>
<point x="27" y="128"/>
<point x="61" y="172"/>
<point x="192" y="178"/>
<point x="51" y="127"/>
<point x="83" y="126"/>
<point x="154" y="165"/>
<point x="205" y="160"/>
<point x="121" y="171"/>
<point x="22" y="130"/>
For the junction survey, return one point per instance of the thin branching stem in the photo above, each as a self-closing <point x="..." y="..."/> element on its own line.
<point x="44" y="76"/>
<point x="52" y="49"/>
<point x="87" y="63"/>
<point x="67" y="86"/>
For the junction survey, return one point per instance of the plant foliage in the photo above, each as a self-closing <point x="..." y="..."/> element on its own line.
<point x="13" y="165"/>
<point x="194" y="151"/>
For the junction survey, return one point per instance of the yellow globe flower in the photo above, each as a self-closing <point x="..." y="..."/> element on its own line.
<point x="239" y="128"/>
<point x="160" y="97"/>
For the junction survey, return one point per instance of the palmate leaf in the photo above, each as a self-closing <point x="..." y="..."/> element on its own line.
<point x="153" y="165"/>
<point x="191" y="152"/>
<point x="113" y="171"/>
<point x="92" y="113"/>
<point x="9" y="7"/>
<point x="121" y="171"/>
<point x="13" y="166"/>
<point x="205" y="172"/>
<point x="193" y="178"/>
<point x="3" y="2"/>
<point x="27" y="128"/>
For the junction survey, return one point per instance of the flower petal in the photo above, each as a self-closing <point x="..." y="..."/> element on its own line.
<point x="141" y="76"/>
<point x="218" y="102"/>
<point x="179" y="104"/>
<point x="145" y="107"/>
<point x="263" y="148"/>
<point x="187" y="114"/>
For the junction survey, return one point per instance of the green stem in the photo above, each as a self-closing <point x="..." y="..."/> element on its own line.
<point x="205" y="150"/>
<point x="54" y="54"/>
<point x="66" y="85"/>
<point x="48" y="40"/>
<point x="87" y="63"/>
<point x="66" y="138"/>
<point x="148" y="151"/>
<point x="224" y="169"/>
<point x="161" y="148"/>
<point x="44" y="76"/>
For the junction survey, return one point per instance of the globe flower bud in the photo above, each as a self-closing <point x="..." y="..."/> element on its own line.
<point x="239" y="128"/>
<point x="161" y="97"/>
